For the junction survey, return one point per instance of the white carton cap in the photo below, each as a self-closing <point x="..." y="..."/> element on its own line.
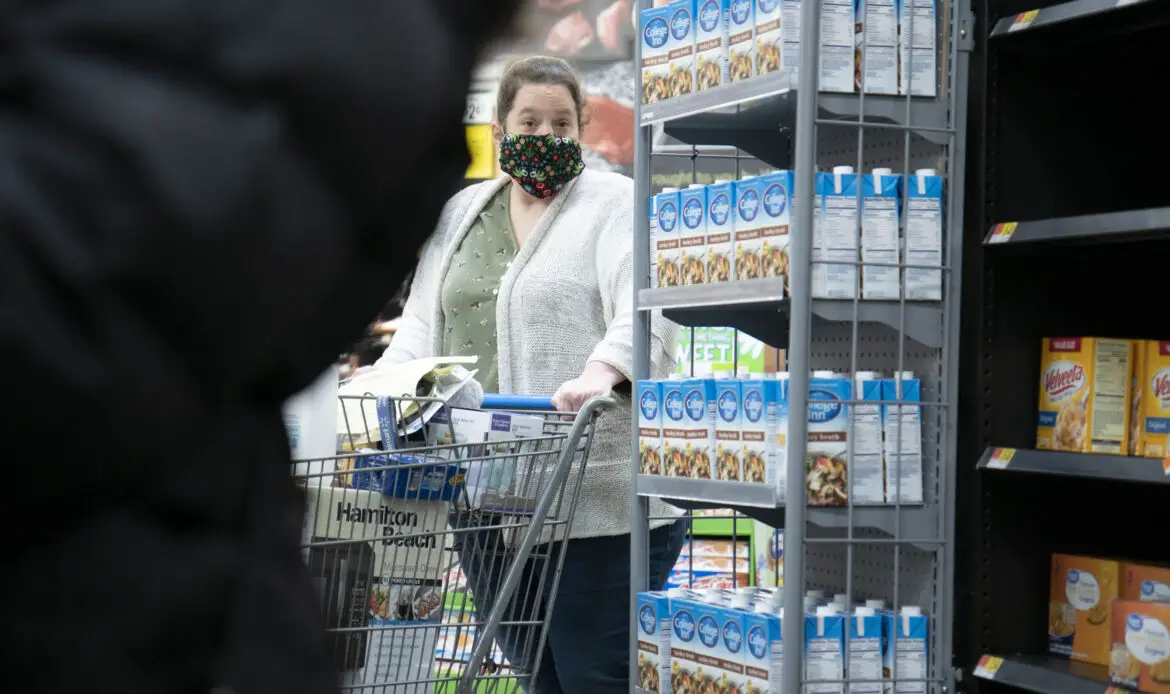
<point x="722" y="180"/>
<point x="864" y="612"/>
<point x="883" y="171"/>
<point x="676" y="593"/>
<point x="669" y="189"/>
<point x="876" y="604"/>
<point x="810" y="603"/>
<point x="741" y="601"/>
<point x="697" y="185"/>
<point x="781" y="375"/>
<point x="925" y="172"/>
<point x="842" y="169"/>
<point x="743" y="372"/>
<point x="815" y="594"/>
<point x="703" y="369"/>
<point x="826" y="611"/>
<point x="823" y="374"/>
<point x="911" y="611"/>
<point x="905" y="375"/>
<point x="722" y="374"/>
<point x="747" y="177"/>
<point x="867" y="375"/>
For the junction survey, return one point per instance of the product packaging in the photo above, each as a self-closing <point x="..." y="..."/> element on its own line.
<point x="835" y="221"/>
<point x="879" y="235"/>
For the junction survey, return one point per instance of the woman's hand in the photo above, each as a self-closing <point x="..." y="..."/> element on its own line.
<point x="597" y="380"/>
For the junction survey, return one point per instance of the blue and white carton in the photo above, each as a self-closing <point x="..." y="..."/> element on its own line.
<point x="720" y="227"/>
<point x="654" y="32"/>
<point x="699" y="408"/>
<point x="719" y="647"/>
<point x="919" y="65"/>
<point x="769" y="37"/>
<point x="772" y="239"/>
<point x="865" y="651"/>
<point x="869" y="484"/>
<point x="907" y="657"/>
<point x="924" y="233"/>
<point x="711" y="43"/>
<point x="903" y="439"/>
<point x="682" y="47"/>
<point x="654" y="642"/>
<point x="741" y="40"/>
<point x="835" y="244"/>
<point x="685" y="647"/>
<point x="879" y="54"/>
<point x="828" y="440"/>
<point x="650" y="427"/>
<point x="728" y="430"/>
<point x="764" y="649"/>
<point x="667" y="239"/>
<point x="749" y="195"/>
<point x="838" y="48"/>
<point x="675" y="434"/>
<point x="824" y="651"/>
<point x="693" y="234"/>
<point x="880" y="278"/>
<point x="764" y="432"/>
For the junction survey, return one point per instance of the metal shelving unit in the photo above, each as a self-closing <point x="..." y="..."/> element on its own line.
<point x="903" y="553"/>
<point x="1038" y="238"/>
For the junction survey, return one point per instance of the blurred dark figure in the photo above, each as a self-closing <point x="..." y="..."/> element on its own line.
<point x="201" y="203"/>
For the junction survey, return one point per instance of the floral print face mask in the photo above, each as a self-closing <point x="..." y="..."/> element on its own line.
<point x="541" y="164"/>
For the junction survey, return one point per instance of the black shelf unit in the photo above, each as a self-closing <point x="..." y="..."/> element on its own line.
<point x="1066" y="145"/>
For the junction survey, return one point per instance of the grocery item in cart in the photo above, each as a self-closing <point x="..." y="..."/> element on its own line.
<point x="1080" y="594"/>
<point x="769" y="36"/>
<point x="1084" y="395"/>
<point x="668" y="235"/>
<point x="824" y="650"/>
<point x="748" y="194"/>
<point x="1139" y="656"/>
<point x="699" y="408"/>
<point x="656" y="47"/>
<point x="681" y="76"/>
<point x="924" y="235"/>
<point x="741" y="40"/>
<point x="650" y="428"/>
<point x="1145" y="583"/>
<point x="654" y="642"/>
<point x="826" y="459"/>
<point x="692" y="206"/>
<point x="903" y="439"/>
<point x="835" y="244"/>
<point x="728" y="430"/>
<point x="868" y="485"/>
<point x="720" y="226"/>
<point x="908" y="631"/>
<point x="865" y="651"/>
<point x="880" y="201"/>
<point x="1152" y="361"/>
<point x="711" y="43"/>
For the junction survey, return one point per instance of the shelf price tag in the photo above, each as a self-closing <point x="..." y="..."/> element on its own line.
<point x="1002" y="233"/>
<point x="1023" y="20"/>
<point x="1166" y="466"/>
<point x="1000" y="458"/>
<point x="988" y="666"/>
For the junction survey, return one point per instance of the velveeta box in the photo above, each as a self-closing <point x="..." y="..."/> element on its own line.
<point x="1084" y="395"/>
<point x="1079" y="601"/>
<point x="1137" y="371"/>
<point x="1139" y="657"/>
<point x="1145" y="583"/>
<point x="1151" y="399"/>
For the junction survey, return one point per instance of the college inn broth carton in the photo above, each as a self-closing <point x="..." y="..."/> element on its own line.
<point x="879" y="235"/>
<point x="826" y="460"/>
<point x="741" y="40"/>
<point x="835" y="220"/>
<point x="656" y="47"/>
<point x="924" y="232"/>
<point x="838" y="45"/>
<point x="1151" y="399"/>
<point x="682" y="47"/>
<point x="692" y="208"/>
<point x="906" y="655"/>
<point x="868" y="475"/>
<point x="824" y="650"/>
<point x="748" y="201"/>
<point x="654" y="642"/>
<point x="763" y="649"/>
<point x="1080" y="594"/>
<point x="711" y="42"/>
<point x="770" y="243"/>
<point x="1139" y="657"/>
<point x="720" y="223"/>
<point x="728" y="430"/>
<point x="902" y="433"/>
<point x="650" y="428"/>
<point x="1084" y="395"/>
<point x="764" y="432"/>
<point x="918" y="67"/>
<point x="879" y="57"/>
<point x="769" y="36"/>
<point x="667" y="235"/>
<point x="865" y="651"/>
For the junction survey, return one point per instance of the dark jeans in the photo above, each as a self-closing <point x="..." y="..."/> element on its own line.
<point x="588" y="644"/>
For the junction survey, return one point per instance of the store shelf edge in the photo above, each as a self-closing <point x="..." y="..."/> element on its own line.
<point x="707" y="100"/>
<point x="1050" y="675"/>
<point x="758" y="307"/>
<point x="1121" y="225"/>
<point x="1119" y="468"/>
<point x="1064" y="12"/>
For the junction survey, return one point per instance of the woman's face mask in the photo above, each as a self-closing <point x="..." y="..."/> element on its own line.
<point x="540" y="164"/>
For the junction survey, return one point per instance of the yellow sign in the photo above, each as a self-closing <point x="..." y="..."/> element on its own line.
<point x="1000" y="458"/>
<point x="483" y="152"/>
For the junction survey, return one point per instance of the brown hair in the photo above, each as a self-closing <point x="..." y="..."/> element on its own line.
<point x="537" y="69"/>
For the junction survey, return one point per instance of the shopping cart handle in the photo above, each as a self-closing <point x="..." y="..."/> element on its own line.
<point x="503" y="401"/>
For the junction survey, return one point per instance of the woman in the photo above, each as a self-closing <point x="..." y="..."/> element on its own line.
<point x="532" y="273"/>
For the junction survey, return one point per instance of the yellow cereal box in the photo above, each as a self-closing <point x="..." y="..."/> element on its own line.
<point x="1080" y="595"/>
<point x="1153" y="426"/>
<point x="1084" y="395"/>
<point x="1145" y="583"/>
<point x="1139" y="656"/>
<point x="1137" y="370"/>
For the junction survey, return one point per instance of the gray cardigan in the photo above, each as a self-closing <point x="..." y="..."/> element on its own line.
<point x="566" y="300"/>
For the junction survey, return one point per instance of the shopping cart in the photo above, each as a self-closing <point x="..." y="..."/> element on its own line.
<point x="432" y="517"/>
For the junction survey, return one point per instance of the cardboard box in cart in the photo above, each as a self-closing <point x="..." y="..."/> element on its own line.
<point x="498" y="481"/>
<point x="387" y="574"/>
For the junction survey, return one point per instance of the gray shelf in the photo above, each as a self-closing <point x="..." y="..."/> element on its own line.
<point x="918" y="522"/>
<point x="759" y="308"/>
<point x="1128" y="225"/>
<point x="1058" y="14"/>
<point x="1088" y="465"/>
<point x="1045" y="674"/>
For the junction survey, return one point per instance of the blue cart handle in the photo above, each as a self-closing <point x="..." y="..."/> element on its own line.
<point x="501" y="401"/>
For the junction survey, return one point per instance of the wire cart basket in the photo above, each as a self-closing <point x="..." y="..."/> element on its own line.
<point x="435" y="539"/>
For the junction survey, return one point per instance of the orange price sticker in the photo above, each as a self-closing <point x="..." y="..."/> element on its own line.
<point x="1000" y="458"/>
<point x="1166" y="466"/>
<point x="1002" y="233"/>
<point x="1024" y="20"/>
<point x="988" y="667"/>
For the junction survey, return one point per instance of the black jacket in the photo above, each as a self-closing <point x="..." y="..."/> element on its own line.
<point x="202" y="202"/>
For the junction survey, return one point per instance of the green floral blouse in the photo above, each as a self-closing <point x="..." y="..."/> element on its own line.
<point x="468" y="293"/>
